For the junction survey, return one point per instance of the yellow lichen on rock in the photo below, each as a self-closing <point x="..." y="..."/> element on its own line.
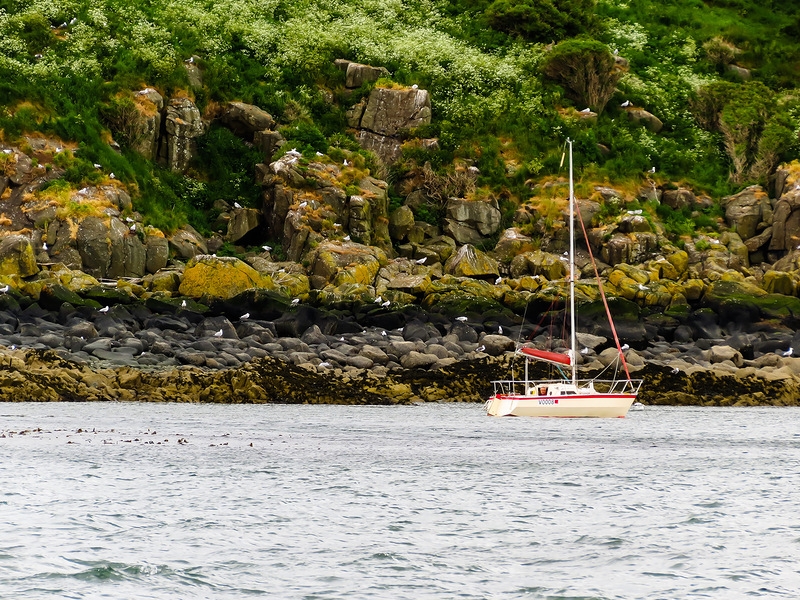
<point x="220" y="277"/>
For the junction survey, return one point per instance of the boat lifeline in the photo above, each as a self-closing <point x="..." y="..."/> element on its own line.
<point x="568" y="396"/>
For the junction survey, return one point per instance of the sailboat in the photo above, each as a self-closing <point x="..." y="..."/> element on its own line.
<point x="568" y="396"/>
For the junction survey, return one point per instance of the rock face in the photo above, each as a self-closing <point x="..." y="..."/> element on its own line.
<point x="786" y="222"/>
<point x="183" y="125"/>
<point x="242" y="222"/>
<point x="356" y="74"/>
<point x="387" y="112"/>
<point x="108" y="249"/>
<point x="148" y="126"/>
<point x="17" y="256"/>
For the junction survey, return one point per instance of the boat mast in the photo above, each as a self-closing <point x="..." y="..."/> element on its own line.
<point x="572" y="335"/>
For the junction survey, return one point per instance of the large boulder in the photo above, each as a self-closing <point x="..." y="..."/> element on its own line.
<point x="187" y="243"/>
<point x="242" y="222"/>
<point x="357" y="74"/>
<point x="220" y="277"/>
<point x="468" y="261"/>
<point x="646" y="119"/>
<point x="469" y="221"/>
<point x="360" y="264"/>
<point x="17" y="256"/>
<point x="538" y="263"/>
<point x="156" y="252"/>
<point x="245" y="120"/>
<point x="745" y="211"/>
<point x="183" y="125"/>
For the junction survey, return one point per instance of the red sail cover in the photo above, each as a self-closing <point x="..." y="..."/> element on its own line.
<point x="554" y="357"/>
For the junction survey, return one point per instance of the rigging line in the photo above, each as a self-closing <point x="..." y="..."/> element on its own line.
<point x="603" y="296"/>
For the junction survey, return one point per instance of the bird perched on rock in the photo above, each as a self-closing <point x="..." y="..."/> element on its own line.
<point x="303" y="204"/>
<point x="789" y="352"/>
<point x="4" y="289"/>
<point x="675" y="371"/>
<point x="462" y="319"/>
<point x="267" y="248"/>
<point x="498" y="281"/>
<point x="414" y="87"/>
<point x="626" y="103"/>
<point x="642" y="287"/>
<point x="183" y="304"/>
<point x="500" y="329"/>
<point x="104" y="309"/>
<point x="345" y="163"/>
<point x="296" y="301"/>
<point x="325" y="365"/>
<point x="218" y="333"/>
<point x="44" y="246"/>
<point x="378" y="300"/>
<point x="586" y="110"/>
<point x="237" y="205"/>
<point x="421" y="261"/>
<point x="244" y="316"/>
<point x="133" y="228"/>
<point x="625" y="347"/>
<point x="652" y="170"/>
<point x="584" y="351"/>
<point x="387" y="303"/>
<point x="346" y="238"/>
<point x="480" y="348"/>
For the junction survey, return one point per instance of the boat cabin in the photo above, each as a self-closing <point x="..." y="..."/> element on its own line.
<point x="556" y="389"/>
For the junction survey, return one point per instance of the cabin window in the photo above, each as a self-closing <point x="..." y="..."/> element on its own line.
<point x="543" y="390"/>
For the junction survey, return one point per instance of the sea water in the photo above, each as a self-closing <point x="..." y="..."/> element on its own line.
<point x="432" y="501"/>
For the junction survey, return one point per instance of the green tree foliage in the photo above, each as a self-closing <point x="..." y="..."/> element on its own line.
<point x="587" y="70"/>
<point x="542" y="20"/>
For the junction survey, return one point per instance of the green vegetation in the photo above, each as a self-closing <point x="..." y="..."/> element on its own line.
<point x="507" y="79"/>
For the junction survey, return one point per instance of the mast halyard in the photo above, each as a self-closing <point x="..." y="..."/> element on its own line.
<point x="572" y="334"/>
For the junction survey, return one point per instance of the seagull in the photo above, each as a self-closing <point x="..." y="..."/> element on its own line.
<point x="303" y="204"/>
<point x="414" y="87"/>
<point x="218" y="333"/>
<point x="387" y="303"/>
<point x="237" y="205"/>
<point x="133" y="228"/>
<point x="652" y="170"/>
<point x="38" y="55"/>
<point x="325" y="365"/>
<point x="346" y="238"/>
<point x="296" y="301"/>
<point x="4" y="289"/>
<point x="462" y="319"/>
<point x="384" y="334"/>
<point x="13" y="346"/>
<point x="422" y="260"/>
<point x="44" y="246"/>
<point x="267" y="248"/>
<point x="789" y="352"/>
<point x="189" y="60"/>
<point x="378" y="300"/>
<point x="183" y="304"/>
<point x="500" y="329"/>
<point x="320" y="154"/>
<point x="480" y="348"/>
<point x="112" y="176"/>
<point x="644" y="288"/>
<point x="498" y="281"/>
<point x="244" y="316"/>
<point x="624" y="347"/>
<point x="73" y="20"/>
<point x="675" y="371"/>
<point x="98" y="166"/>
<point x="626" y="103"/>
<point x="127" y="219"/>
<point x="346" y="164"/>
<point x="341" y="339"/>
<point x="586" y="110"/>
<point x="104" y="309"/>
<point x="585" y="351"/>
<point x="337" y="225"/>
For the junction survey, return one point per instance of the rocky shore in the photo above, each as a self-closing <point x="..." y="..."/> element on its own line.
<point x="181" y="351"/>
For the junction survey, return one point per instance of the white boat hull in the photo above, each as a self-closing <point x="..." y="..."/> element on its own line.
<point x="578" y="405"/>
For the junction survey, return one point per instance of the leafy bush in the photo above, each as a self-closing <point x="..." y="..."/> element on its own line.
<point x="542" y="20"/>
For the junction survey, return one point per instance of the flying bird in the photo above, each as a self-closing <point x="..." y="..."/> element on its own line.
<point x="104" y="309"/>
<point x="244" y="316"/>
<point x="422" y="260"/>
<point x="789" y="352"/>
<point x="218" y="333"/>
